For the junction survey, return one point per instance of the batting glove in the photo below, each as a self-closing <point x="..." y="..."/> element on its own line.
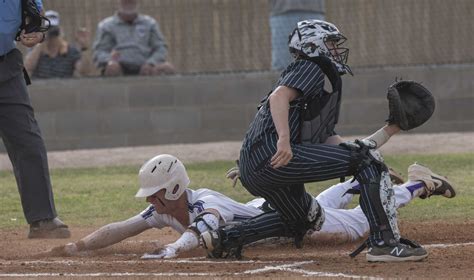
<point x="69" y="249"/>
<point x="165" y="253"/>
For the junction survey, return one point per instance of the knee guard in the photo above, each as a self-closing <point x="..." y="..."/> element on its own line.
<point x="316" y="216"/>
<point x="314" y="221"/>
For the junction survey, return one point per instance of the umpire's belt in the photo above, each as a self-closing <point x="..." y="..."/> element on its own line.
<point x="3" y="57"/>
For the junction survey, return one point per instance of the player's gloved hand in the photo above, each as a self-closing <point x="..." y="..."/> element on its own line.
<point x="233" y="174"/>
<point x="167" y="252"/>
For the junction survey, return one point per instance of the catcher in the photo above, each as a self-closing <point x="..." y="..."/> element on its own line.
<point x="286" y="146"/>
<point x="164" y="181"/>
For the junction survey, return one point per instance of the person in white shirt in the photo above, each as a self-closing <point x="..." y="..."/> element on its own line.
<point x="164" y="182"/>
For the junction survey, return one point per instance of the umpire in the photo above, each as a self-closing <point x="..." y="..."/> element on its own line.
<point x="19" y="129"/>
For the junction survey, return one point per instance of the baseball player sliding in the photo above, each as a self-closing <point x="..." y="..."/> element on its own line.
<point x="164" y="182"/>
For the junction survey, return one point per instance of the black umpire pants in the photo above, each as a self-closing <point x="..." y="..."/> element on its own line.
<point x="22" y="138"/>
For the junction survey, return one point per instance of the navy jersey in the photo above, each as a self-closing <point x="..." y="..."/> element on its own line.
<point x="302" y="75"/>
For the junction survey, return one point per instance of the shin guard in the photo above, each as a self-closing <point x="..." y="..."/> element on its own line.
<point x="382" y="205"/>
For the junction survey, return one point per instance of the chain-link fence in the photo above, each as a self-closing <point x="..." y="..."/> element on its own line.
<point x="234" y="35"/>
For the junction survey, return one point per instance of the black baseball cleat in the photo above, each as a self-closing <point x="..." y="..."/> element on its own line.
<point x="398" y="253"/>
<point x="434" y="184"/>
<point x="53" y="228"/>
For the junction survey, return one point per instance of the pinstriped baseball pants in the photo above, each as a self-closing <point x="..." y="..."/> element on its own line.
<point x="284" y="187"/>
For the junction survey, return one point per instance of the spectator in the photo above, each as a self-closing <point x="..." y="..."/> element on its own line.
<point x="284" y="14"/>
<point x="56" y="58"/>
<point x="19" y="129"/>
<point x="129" y="43"/>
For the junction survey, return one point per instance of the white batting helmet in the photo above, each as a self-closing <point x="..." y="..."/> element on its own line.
<point x="309" y="39"/>
<point x="163" y="172"/>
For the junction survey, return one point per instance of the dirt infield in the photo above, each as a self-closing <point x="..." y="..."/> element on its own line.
<point x="451" y="244"/>
<point x="451" y="247"/>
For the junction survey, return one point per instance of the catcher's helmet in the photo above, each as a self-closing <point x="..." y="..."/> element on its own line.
<point x="310" y="38"/>
<point x="163" y="172"/>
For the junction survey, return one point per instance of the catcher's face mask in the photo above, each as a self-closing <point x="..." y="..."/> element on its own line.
<point x="312" y="38"/>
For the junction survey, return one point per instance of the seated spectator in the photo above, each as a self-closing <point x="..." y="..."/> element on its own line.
<point x="129" y="43"/>
<point x="55" y="57"/>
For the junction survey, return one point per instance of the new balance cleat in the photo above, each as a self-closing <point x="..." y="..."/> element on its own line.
<point x="399" y="253"/>
<point x="434" y="184"/>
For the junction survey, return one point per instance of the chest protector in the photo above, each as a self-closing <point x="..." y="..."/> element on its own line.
<point x="319" y="115"/>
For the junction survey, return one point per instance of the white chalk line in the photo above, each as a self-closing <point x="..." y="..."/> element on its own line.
<point x="329" y="274"/>
<point x="284" y="267"/>
<point x="278" y="267"/>
<point x="448" y="245"/>
<point x="193" y="260"/>
<point x="187" y="261"/>
<point x="106" y="274"/>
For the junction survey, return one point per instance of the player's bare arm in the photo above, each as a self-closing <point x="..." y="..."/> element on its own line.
<point x="279" y="103"/>
<point x="103" y="237"/>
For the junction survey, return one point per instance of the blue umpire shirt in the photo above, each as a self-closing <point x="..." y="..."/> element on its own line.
<point x="10" y="21"/>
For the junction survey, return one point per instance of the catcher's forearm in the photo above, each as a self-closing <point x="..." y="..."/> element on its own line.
<point x="112" y="233"/>
<point x="381" y="136"/>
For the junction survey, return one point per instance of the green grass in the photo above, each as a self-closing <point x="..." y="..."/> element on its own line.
<point x="94" y="196"/>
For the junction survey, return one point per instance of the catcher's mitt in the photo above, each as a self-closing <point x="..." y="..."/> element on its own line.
<point x="410" y="104"/>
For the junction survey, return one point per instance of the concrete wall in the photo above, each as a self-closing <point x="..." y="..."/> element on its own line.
<point x="96" y="112"/>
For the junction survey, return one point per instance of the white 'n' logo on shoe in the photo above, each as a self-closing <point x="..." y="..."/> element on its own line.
<point x="396" y="251"/>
